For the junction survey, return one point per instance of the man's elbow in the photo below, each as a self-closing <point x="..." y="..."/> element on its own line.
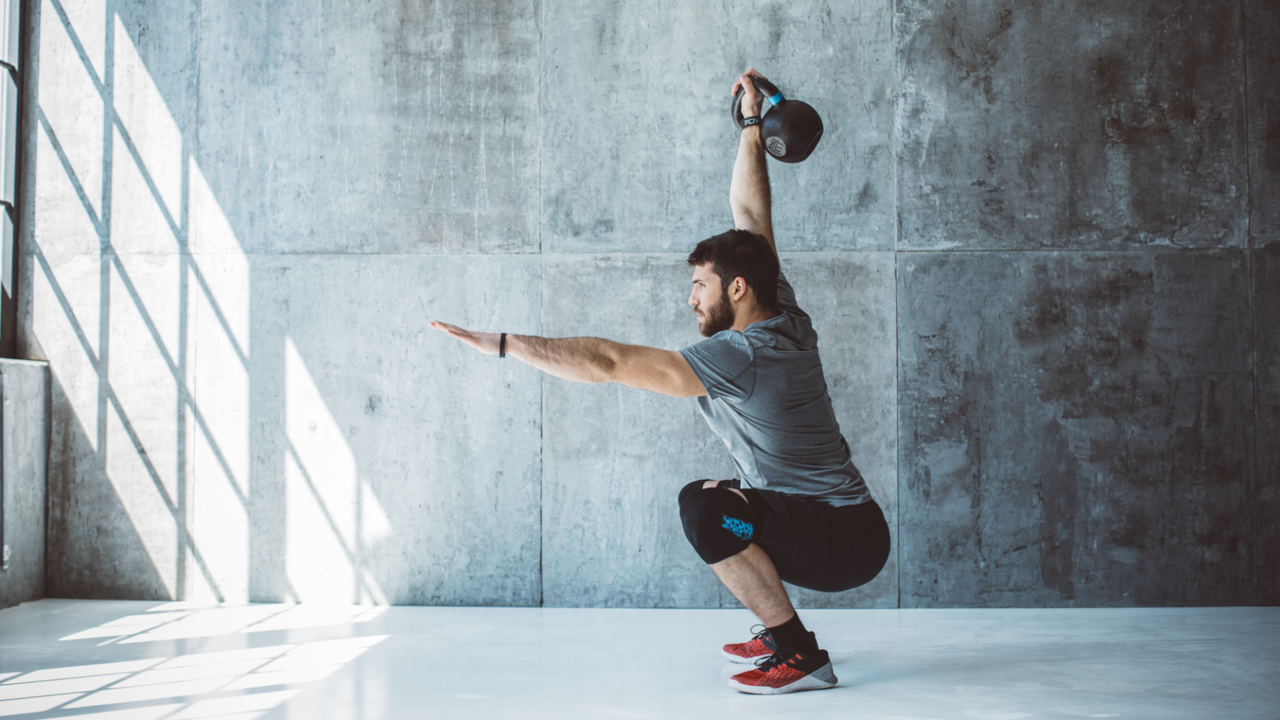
<point x="606" y="369"/>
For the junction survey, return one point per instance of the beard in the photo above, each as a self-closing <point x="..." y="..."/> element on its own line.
<point x="719" y="317"/>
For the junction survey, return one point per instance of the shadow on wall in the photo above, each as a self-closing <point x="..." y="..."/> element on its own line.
<point x="125" y="290"/>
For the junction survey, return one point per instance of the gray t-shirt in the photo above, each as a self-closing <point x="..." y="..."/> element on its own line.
<point x="767" y="399"/>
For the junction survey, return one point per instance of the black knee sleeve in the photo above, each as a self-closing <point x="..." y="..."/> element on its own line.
<point x="717" y="521"/>
<point x="696" y="485"/>
<point x="689" y="489"/>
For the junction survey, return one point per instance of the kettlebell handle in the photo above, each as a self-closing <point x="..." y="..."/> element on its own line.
<point x="766" y="88"/>
<point x="769" y="89"/>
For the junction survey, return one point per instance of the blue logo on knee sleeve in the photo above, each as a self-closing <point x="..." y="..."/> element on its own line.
<point x="738" y="527"/>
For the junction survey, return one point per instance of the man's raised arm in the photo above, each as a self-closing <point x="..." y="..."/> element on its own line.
<point x="592" y="360"/>
<point x="749" y="191"/>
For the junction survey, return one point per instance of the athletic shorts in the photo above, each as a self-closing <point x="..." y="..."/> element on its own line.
<point x="815" y="545"/>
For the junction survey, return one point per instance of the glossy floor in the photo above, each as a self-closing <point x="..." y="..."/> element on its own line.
<point x="152" y="661"/>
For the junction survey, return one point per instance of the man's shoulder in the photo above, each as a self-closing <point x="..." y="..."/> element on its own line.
<point x="725" y="341"/>
<point x="722" y="362"/>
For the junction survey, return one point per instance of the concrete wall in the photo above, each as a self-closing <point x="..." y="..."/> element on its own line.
<point x="1034" y="241"/>
<point x="24" y="446"/>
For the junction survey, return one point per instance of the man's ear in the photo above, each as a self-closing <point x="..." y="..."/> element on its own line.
<point x="738" y="289"/>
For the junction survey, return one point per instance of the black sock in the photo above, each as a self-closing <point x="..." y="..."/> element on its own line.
<point x="792" y="635"/>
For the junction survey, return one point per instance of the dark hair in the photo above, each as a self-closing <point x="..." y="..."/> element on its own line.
<point x="742" y="254"/>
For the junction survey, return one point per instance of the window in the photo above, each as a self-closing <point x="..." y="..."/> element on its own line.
<point x="10" y="25"/>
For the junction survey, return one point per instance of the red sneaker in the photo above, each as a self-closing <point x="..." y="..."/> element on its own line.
<point x="787" y="671"/>
<point x="757" y="648"/>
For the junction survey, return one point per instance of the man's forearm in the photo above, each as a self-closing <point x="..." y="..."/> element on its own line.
<point x="749" y="195"/>
<point x="580" y="359"/>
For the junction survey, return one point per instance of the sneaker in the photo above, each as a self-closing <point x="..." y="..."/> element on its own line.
<point x="757" y="648"/>
<point x="787" y="671"/>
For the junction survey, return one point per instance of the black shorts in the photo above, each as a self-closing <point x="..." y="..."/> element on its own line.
<point x="817" y="546"/>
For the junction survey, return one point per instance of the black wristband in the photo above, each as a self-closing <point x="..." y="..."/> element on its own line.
<point x="748" y="122"/>
<point x="502" y="345"/>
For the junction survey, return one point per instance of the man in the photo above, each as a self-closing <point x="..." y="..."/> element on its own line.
<point x="806" y="516"/>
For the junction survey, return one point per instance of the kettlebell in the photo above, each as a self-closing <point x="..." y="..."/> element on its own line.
<point x="791" y="129"/>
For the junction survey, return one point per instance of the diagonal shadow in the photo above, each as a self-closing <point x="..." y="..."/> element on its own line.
<point x="115" y="403"/>
<point x="179" y="234"/>
<point x="79" y="46"/>
<point x="175" y="359"/>
<point x="58" y="150"/>
<point x="65" y="305"/>
<point x="98" y="360"/>
<point x="187" y="401"/>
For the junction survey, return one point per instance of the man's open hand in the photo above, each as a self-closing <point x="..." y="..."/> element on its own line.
<point x="486" y="343"/>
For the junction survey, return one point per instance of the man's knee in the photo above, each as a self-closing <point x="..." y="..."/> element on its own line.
<point x="717" y="521"/>
<point x="689" y="489"/>
<point x="697" y="485"/>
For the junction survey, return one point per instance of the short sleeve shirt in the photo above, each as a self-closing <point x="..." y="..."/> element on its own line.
<point x="767" y="399"/>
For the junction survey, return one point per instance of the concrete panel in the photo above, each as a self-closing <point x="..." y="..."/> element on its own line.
<point x="616" y="457"/>
<point x="118" y="477"/>
<point x="851" y="298"/>
<point x="1266" y="323"/>
<point x="330" y="448"/>
<point x="24" y="454"/>
<point x="381" y="127"/>
<point x="386" y="462"/>
<point x="1076" y="429"/>
<point x="1070" y="125"/>
<point x="111" y="134"/>
<point x="637" y="141"/>
<point x="1262" y="45"/>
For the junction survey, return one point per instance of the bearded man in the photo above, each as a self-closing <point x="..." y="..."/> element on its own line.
<point x="805" y="514"/>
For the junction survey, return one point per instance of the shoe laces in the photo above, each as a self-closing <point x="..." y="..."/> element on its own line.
<point x="779" y="657"/>
<point x="763" y="636"/>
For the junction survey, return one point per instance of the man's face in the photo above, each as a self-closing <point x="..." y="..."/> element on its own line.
<point x="710" y="302"/>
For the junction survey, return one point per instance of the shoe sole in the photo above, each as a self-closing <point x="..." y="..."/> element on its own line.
<point x="820" y="679"/>
<point x="743" y="660"/>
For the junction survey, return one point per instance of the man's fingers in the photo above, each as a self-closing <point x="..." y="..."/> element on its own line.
<point x="453" y="330"/>
<point x="487" y="343"/>
<point x="744" y="82"/>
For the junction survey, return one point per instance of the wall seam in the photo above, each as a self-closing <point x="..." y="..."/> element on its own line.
<point x="1248" y="156"/>
<point x="542" y="279"/>
<point x="188" y="353"/>
<point x="897" y="308"/>
<point x="1253" y="305"/>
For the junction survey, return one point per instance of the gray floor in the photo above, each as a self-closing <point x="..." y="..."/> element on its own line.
<point x="147" y="661"/>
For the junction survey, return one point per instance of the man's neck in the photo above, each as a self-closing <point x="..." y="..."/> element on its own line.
<point x="745" y="316"/>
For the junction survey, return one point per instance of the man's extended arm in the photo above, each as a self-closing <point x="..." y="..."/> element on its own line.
<point x="749" y="191"/>
<point x="592" y="360"/>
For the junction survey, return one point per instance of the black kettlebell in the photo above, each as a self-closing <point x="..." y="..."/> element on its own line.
<point x="791" y="129"/>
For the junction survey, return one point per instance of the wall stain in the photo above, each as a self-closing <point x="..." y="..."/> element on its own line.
<point x="1089" y="343"/>
<point x="974" y="59"/>
<point x="866" y="197"/>
<point x="1057" y="488"/>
